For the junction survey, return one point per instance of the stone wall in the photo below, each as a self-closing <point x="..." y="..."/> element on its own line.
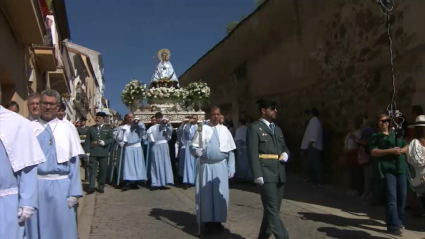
<point x="333" y="55"/>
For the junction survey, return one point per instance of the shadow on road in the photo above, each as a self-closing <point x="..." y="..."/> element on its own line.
<point x="365" y="224"/>
<point x="187" y="223"/>
<point x="343" y="234"/>
<point x="298" y="191"/>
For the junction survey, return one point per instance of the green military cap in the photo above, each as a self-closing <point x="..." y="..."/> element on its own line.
<point x="266" y="103"/>
<point x="101" y="114"/>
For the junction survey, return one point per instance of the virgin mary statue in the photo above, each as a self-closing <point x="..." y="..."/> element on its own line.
<point x="164" y="70"/>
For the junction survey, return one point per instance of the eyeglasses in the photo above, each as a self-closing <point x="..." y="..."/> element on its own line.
<point x="48" y="104"/>
<point x="272" y="108"/>
<point x="385" y="121"/>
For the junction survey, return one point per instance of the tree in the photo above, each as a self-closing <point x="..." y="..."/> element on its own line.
<point x="231" y="25"/>
<point x="259" y="2"/>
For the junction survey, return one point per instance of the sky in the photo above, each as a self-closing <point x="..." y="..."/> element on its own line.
<point x="128" y="33"/>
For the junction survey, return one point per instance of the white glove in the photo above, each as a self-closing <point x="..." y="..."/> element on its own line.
<point x="285" y="157"/>
<point x="25" y="213"/>
<point x="82" y="141"/>
<point x="199" y="152"/>
<point x="231" y="175"/>
<point x="122" y="144"/>
<point x="259" y="181"/>
<point x="72" y="201"/>
<point x="101" y="143"/>
<point x="88" y="155"/>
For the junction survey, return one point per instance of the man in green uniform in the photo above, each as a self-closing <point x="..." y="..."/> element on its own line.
<point x="267" y="153"/>
<point x="82" y="131"/>
<point x="98" y="139"/>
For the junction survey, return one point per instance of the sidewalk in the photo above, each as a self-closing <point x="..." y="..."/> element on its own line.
<point x="307" y="212"/>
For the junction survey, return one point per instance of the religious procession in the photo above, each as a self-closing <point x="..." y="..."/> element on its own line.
<point x="304" y="121"/>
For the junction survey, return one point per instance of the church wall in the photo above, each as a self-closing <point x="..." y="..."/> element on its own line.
<point x="332" y="55"/>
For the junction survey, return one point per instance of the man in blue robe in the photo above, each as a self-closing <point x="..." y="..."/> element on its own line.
<point x="180" y="140"/>
<point x="217" y="165"/>
<point x="161" y="170"/>
<point x="131" y="138"/>
<point x="18" y="173"/>
<point x="59" y="183"/>
<point x="189" y="170"/>
<point x="243" y="171"/>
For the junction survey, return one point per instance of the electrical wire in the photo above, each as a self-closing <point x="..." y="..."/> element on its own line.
<point x="386" y="9"/>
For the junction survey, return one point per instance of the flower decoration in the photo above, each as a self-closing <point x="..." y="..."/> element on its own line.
<point x="133" y="91"/>
<point x="198" y="91"/>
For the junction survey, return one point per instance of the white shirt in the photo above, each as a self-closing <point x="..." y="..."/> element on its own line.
<point x="313" y="133"/>
<point x="349" y="143"/>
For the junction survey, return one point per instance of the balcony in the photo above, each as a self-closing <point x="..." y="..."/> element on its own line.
<point x="58" y="81"/>
<point x="45" y="56"/>
<point x="25" y="19"/>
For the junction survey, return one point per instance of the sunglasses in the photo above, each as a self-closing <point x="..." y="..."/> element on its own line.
<point x="272" y="108"/>
<point x="385" y="121"/>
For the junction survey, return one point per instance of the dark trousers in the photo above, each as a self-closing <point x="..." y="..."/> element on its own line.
<point x="356" y="178"/>
<point x="314" y="156"/>
<point x="271" y="197"/>
<point x="103" y="167"/>
<point x="396" y="191"/>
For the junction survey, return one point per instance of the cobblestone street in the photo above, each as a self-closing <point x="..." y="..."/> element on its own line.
<point x="307" y="211"/>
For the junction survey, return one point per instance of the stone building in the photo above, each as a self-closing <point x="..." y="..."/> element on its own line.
<point x="333" y="55"/>
<point x="29" y="61"/>
<point x="87" y="86"/>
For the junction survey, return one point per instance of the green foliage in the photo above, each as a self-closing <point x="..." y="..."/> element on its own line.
<point x="230" y="26"/>
<point x="259" y="2"/>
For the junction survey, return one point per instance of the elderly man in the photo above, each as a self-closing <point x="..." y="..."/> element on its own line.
<point x="33" y="103"/>
<point x="98" y="139"/>
<point x="217" y="166"/>
<point x="130" y="138"/>
<point x="159" y="135"/>
<point x="59" y="183"/>
<point x="18" y="173"/>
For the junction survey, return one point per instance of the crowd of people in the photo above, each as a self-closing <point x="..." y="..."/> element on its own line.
<point x="42" y="184"/>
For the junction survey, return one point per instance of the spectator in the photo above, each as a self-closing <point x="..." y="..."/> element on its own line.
<point x="313" y="142"/>
<point x="351" y="151"/>
<point x="13" y="106"/>
<point x="365" y="159"/>
<point x="390" y="153"/>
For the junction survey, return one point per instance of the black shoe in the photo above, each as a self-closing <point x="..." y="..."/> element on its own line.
<point x="134" y="186"/>
<point x="101" y="190"/>
<point x="126" y="187"/>
<point x="395" y="232"/>
<point x="91" y="191"/>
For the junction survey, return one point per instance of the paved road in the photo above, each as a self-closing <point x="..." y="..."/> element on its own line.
<point x="307" y="211"/>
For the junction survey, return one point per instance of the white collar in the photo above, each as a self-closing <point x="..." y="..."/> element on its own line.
<point x="18" y="132"/>
<point x="266" y="122"/>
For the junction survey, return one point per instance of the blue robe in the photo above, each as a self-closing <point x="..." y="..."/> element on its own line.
<point x="161" y="170"/>
<point x="181" y="151"/>
<point x="215" y="169"/>
<point x="54" y="219"/>
<point x="242" y="166"/>
<point x="134" y="161"/>
<point x="189" y="161"/>
<point x="16" y="190"/>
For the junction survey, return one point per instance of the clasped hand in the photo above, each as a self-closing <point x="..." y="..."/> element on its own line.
<point x="397" y="151"/>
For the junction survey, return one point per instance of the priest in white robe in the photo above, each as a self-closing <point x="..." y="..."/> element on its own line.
<point x="161" y="170"/>
<point x="130" y="138"/>
<point x="18" y="173"/>
<point x="243" y="171"/>
<point x="59" y="185"/>
<point x="217" y="166"/>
